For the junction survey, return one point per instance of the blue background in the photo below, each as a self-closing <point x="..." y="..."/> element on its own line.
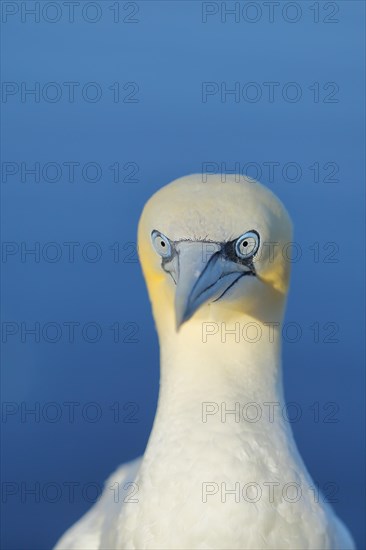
<point x="168" y="132"/>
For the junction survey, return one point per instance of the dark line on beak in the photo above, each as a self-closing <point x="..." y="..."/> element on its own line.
<point x="233" y="283"/>
<point x="203" y="272"/>
<point x="213" y="284"/>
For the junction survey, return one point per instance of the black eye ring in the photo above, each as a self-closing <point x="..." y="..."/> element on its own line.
<point x="161" y="244"/>
<point x="247" y="245"/>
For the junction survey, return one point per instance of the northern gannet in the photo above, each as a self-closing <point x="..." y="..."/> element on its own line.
<point x="212" y="477"/>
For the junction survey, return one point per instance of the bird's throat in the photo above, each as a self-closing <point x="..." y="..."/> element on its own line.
<point x="219" y="381"/>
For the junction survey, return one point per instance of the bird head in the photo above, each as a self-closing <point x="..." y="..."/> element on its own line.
<point x="213" y="250"/>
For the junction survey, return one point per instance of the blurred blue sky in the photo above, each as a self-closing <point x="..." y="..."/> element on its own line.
<point x="140" y="117"/>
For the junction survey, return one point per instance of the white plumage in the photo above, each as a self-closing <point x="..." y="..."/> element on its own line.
<point x="211" y="477"/>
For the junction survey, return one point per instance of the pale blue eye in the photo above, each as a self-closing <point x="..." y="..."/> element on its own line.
<point x="247" y="245"/>
<point x="161" y="244"/>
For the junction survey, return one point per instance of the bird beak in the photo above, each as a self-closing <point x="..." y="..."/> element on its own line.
<point x="203" y="275"/>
